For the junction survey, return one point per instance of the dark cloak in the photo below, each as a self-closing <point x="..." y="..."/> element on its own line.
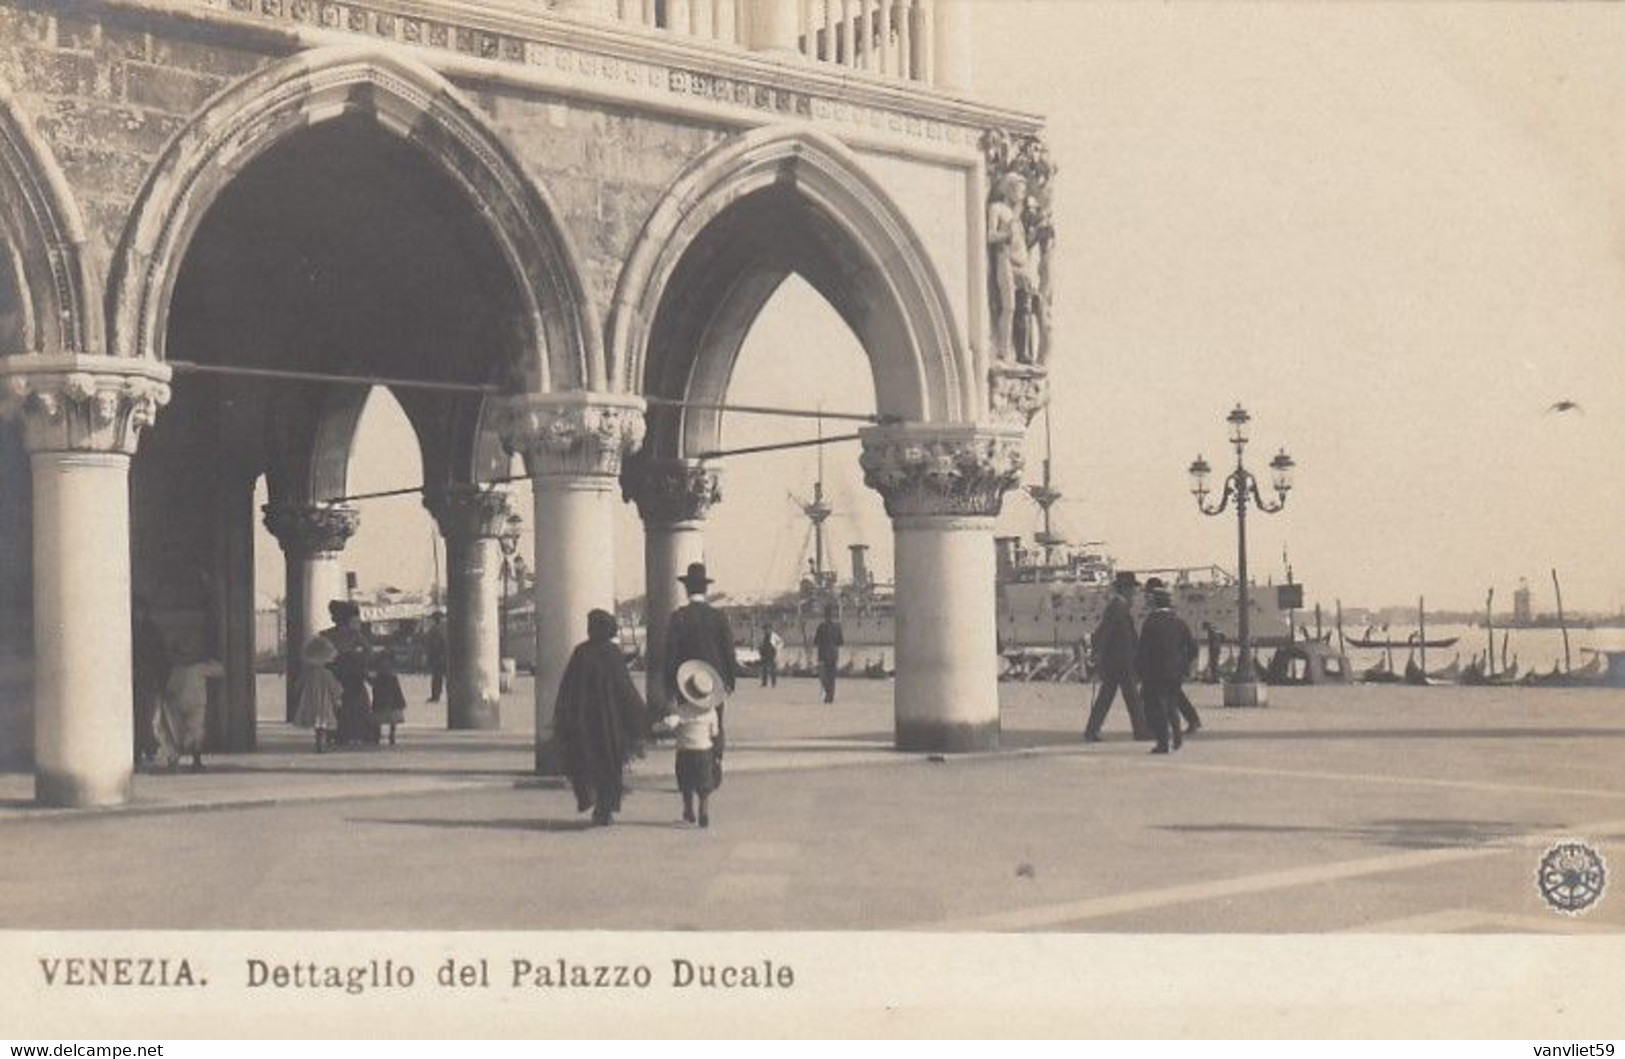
<point x="599" y="715"/>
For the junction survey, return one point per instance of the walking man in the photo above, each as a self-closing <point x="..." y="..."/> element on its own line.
<point x="1116" y="649"/>
<point x="434" y="654"/>
<point x="1165" y="653"/>
<point x="699" y="630"/>
<point x="827" y="641"/>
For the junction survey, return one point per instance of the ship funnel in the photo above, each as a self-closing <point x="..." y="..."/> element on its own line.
<point x="860" y="564"/>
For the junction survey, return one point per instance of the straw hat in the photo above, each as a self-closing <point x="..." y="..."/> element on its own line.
<point x="700" y="685"/>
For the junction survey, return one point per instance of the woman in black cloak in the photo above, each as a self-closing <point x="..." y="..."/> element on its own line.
<point x="598" y="720"/>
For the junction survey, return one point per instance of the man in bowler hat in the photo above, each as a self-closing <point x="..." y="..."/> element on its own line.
<point x="1116" y="647"/>
<point x="1167" y="649"/>
<point x="699" y="630"/>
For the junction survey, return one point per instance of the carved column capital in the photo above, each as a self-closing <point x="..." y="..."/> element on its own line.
<point x="572" y="433"/>
<point x="941" y="470"/>
<point x="308" y="531"/>
<point x="82" y="403"/>
<point x="669" y="492"/>
<point x="470" y="512"/>
<point x="1016" y="393"/>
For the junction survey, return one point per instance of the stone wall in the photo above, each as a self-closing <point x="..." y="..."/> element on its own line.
<point x="107" y="95"/>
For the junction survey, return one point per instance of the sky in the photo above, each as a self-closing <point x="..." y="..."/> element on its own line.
<point x="1396" y="233"/>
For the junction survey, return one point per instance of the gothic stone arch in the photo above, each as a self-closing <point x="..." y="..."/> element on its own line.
<point x="52" y="297"/>
<point x="407" y="99"/>
<point x="882" y="283"/>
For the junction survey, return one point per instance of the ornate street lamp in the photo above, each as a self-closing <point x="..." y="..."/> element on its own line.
<point x="509" y="540"/>
<point x="1241" y="486"/>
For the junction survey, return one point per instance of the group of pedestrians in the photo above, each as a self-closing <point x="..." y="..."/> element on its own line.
<point x="828" y="639"/>
<point x="601" y="722"/>
<point x="1148" y="666"/>
<point x="348" y="693"/>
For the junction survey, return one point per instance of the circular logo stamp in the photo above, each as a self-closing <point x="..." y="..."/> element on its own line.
<point x="1571" y="877"/>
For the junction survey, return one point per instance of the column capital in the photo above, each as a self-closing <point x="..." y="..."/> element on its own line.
<point x="574" y="434"/>
<point x="669" y="492"/>
<point x="82" y="403"/>
<point x="947" y="470"/>
<point x="311" y="530"/>
<point x="1016" y="393"/>
<point x="470" y="512"/>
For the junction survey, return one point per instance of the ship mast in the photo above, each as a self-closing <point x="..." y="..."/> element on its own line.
<point x="817" y="512"/>
<point x="1046" y="496"/>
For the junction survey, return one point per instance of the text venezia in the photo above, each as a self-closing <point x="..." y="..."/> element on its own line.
<point x="387" y="974"/>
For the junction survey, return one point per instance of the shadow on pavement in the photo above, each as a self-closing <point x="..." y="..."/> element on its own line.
<point x="1399" y="834"/>
<point x="528" y="824"/>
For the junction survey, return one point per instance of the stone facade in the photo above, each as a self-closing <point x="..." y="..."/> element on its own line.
<point x="586" y="170"/>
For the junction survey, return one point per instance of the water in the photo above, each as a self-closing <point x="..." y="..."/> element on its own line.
<point x="1538" y="649"/>
<point x="1534" y="649"/>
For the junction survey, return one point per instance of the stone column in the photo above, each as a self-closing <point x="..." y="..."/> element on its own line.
<point x="232" y="722"/>
<point x="774" y="26"/>
<point x="943" y="488"/>
<point x="312" y="537"/>
<point x="673" y="497"/>
<point x="573" y="444"/>
<point x="472" y="520"/>
<point x="82" y="417"/>
<point x="953" y="45"/>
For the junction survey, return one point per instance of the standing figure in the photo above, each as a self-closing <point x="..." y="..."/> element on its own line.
<point x="183" y="712"/>
<point x="1011" y="279"/>
<point x="388" y="701"/>
<point x="1165" y="653"/>
<point x="827" y="641"/>
<point x="699" y="630"/>
<point x="1215" y="644"/>
<point x="598" y="719"/>
<point x="1116" y="647"/>
<point x="149" y="673"/>
<point x="700" y="694"/>
<point x="319" y="692"/>
<point x="434" y="654"/>
<point x="351" y="668"/>
<point x="772" y="643"/>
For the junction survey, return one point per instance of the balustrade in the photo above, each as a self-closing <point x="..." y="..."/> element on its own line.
<point x="886" y="39"/>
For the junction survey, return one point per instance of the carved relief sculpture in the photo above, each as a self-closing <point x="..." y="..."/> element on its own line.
<point x="1021" y="239"/>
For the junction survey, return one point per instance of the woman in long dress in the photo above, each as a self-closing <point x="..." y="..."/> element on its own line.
<point x="319" y="691"/>
<point x="183" y="712"/>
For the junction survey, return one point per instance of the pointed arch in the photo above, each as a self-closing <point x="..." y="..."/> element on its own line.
<point x="58" y="305"/>
<point x="408" y="100"/>
<point x="703" y="252"/>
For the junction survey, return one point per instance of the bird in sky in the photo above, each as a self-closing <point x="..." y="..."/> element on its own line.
<point x="1566" y="406"/>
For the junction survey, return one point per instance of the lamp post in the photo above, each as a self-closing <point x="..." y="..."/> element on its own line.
<point x="509" y="540"/>
<point x="1241" y="487"/>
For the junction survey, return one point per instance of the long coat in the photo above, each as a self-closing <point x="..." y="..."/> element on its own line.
<point x="1167" y="648"/>
<point x="598" y="717"/>
<point x="700" y="630"/>
<point x="1116" y="645"/>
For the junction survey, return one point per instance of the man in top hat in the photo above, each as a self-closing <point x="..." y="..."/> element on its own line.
<point x="1166" y="651"/>
<point x="699" y="630"/>
<point x="1116" y="647"/>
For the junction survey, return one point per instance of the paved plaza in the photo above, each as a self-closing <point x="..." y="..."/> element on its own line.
<point x="1387" y="809"/>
